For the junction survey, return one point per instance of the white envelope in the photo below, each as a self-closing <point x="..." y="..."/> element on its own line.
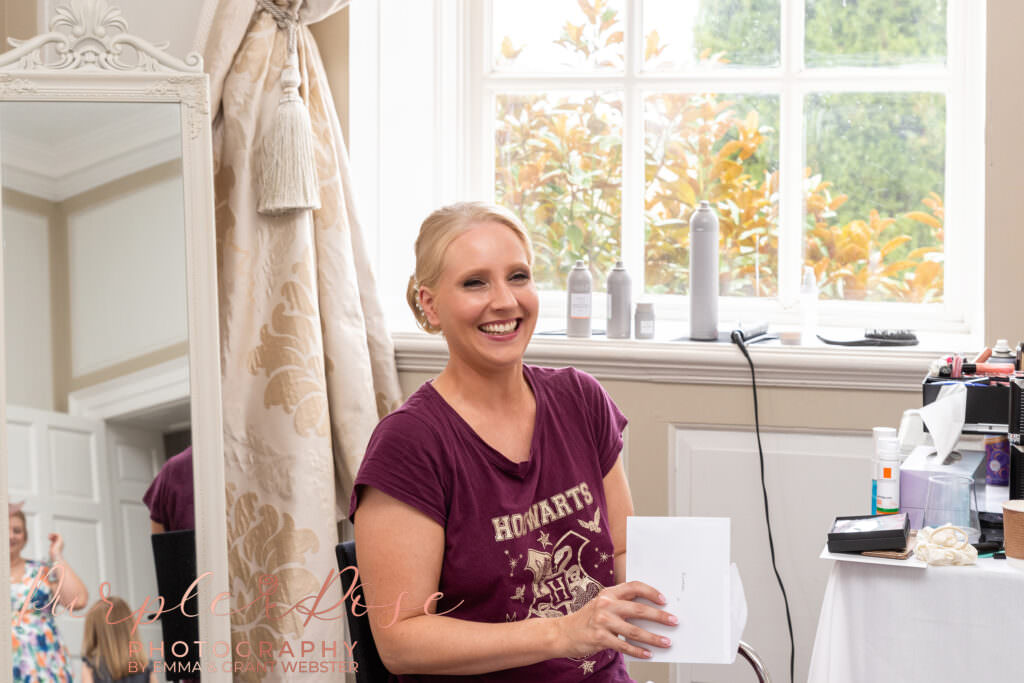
<point x="687" y="560"/>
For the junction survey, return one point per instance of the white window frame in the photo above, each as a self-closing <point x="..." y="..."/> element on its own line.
<point x="452" y="93"/>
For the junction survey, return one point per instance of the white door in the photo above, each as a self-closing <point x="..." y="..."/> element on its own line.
<point x="134" y="456"/>
<point x="85" y="480"/>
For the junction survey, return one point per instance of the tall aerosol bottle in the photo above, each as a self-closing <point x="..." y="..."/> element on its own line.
<point x="619" y="305"/>
<point x="580" y="290"/>
<point x="704" y="274"/>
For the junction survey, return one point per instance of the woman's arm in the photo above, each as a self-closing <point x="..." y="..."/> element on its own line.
<point x="71" y="592"/>
<point x="400" y="555"/>
<point x="86" y="673"/>
<point x="620" y="506"/>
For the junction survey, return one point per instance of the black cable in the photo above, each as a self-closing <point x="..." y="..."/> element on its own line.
<point x="737" y="339"/>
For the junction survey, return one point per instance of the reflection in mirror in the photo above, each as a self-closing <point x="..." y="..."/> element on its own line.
<point x="96" y="333"/>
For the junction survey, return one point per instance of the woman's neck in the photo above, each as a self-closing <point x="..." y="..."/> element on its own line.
<point x="499" y="390"/>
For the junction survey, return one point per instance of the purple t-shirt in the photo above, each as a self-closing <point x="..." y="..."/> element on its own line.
<point x="522" y="540"/>
<point x="170" y="498"/>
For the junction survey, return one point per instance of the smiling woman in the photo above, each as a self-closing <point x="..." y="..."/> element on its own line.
<point x="498" y="486"/>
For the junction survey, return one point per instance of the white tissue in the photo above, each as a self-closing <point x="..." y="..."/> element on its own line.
<point x="945" y="418"/>
<point x="946" y="545"/>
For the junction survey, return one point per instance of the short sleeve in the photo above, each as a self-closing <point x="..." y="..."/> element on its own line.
<point x="154" y="498"/>
<point x="606" y="421"/>
<point x="405" y="460"/>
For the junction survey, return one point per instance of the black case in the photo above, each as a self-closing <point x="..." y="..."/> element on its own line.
<point x="869" y="532"/>
<point x="988" y="406"/>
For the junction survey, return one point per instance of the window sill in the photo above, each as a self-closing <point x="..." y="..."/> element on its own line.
<point x="687" y="362"/>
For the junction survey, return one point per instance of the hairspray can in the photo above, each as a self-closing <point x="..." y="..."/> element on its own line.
<point x="704" y="274"/>
<point x="619" y="306"/>
<point x="580" y="300"/>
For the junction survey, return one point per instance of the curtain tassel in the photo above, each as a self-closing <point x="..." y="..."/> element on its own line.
<point x="288" y="179"/>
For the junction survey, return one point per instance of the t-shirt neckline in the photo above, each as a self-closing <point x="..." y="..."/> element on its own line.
<point x="519" y="469"/>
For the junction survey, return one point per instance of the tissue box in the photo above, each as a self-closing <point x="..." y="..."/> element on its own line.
<point x="988" y="406"/>
<point x="921" y="464"/>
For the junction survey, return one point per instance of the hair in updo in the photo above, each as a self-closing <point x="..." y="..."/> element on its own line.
<point x="438" y="231"/>
<point x="21" y="515"/>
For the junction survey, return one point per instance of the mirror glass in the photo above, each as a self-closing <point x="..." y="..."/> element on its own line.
<point x="96" y="332"/>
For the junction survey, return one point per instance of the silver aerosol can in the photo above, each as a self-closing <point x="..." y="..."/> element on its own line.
<point x="619" y="304"/>
<point x="580" y="289"/>
<point x="704" y="274"/>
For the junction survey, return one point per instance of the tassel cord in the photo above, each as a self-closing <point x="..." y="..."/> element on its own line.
<point x="285" y="20"/>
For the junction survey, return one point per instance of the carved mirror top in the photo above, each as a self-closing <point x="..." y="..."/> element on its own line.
<point x="89" y="55"/>
<point x="91" y="35"/>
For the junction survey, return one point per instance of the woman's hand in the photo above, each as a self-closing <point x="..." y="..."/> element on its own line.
<point x="56" y="547"/>
<point x="598" y="625"/>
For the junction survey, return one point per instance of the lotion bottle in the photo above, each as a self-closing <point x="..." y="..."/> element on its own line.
<point x="619" y="305"/>
<point x="580" y="289"/>
<point x="704" y="274"/>
<point x="888" y="476"/>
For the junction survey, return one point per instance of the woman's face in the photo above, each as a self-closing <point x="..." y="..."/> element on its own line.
<point x="485" y="301"/>
<point x="18" y="536"/>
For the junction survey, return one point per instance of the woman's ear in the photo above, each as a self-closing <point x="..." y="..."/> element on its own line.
<point x="429" y="306"/>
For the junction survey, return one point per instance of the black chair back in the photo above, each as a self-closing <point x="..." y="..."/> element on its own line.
<point x="370" y="668"/>
<point x="174" y="553"/>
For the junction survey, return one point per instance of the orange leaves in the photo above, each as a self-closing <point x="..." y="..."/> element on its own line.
<point x="508" y="50"/>
<point x="652" y="46"/>
<point x="923" y="217"/>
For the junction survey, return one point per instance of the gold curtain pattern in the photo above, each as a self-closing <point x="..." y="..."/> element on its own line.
<point x="308" y="366"/>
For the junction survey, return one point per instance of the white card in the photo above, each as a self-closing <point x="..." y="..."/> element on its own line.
<point x="687" y="560"/>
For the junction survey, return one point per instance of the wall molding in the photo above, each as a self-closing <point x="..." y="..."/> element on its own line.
<point x="700" y="363"/>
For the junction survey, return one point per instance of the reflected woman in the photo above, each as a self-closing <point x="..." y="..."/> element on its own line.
<point x="39" y="654"/>
<point x="498" y="484"/>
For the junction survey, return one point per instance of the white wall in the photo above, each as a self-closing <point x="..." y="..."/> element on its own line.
<point x="126" y="260"/>
<point x="28" y="328"/>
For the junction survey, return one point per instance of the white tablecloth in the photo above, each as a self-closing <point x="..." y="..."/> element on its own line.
<point x="956" y="624"/>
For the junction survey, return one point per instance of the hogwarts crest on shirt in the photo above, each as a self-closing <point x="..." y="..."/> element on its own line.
<point x="560" y="583"/>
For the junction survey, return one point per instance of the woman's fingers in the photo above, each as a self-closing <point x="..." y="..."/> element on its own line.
<point x="609" y="615"/>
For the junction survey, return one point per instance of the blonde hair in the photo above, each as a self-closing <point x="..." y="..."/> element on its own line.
<point x="438" y="231"/>
<point x="24" y="524"/>
<point x="109" y="643"/>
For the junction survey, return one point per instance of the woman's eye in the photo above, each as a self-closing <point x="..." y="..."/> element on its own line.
<point x="521" y="277"/>
<point x="473" y="283"/>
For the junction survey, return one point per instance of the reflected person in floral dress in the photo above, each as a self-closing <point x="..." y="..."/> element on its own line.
<point x="39" y="654"/>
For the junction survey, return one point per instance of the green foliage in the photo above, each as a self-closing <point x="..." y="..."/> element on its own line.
<point x="559" y="167"/>
<point x="874" y="157"/>
<point x="746" y="32"/>
<point x="875" y="32"/>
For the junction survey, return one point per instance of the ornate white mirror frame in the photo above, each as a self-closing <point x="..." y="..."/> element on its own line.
<point x="88" y="56"/>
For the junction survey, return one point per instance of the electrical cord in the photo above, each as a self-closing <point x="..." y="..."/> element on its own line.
<point x="737" y="339"/>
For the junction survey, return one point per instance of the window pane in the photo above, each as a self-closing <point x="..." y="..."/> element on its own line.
<point x="875" y="32"/>
<point x="557" y="35"/>
<point x="874" y="195"/>
<point x="681" y="34"/>
<point x="558" y="166"/>
<point x="723" y="148"/>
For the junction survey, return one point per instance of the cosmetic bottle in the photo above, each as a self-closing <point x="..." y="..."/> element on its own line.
<point x="619" y="306"/>
<point x="888" y="476"/>
<point x="808" y="306"/>
<point x="1002" y="353"/>
<point x="580" y="290"/>
<point x="877" y="434"/>
<point x="704" y="274"/>
<point x="644" y="320"/>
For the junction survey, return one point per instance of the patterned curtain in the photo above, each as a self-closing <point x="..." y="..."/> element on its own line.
<point x="308" y="366"/>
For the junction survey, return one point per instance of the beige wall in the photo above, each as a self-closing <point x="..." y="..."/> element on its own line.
<point x="17" y="20"/>
<point x="331" y="36"/>
<point x="1004" y="173"/>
